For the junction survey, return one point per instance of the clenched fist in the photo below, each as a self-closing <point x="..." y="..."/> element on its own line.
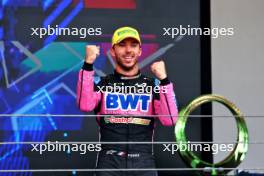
<point x="158" y="69"/>
<point x="92" y="51"/>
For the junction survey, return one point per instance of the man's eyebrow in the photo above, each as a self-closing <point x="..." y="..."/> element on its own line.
<point x="135" y="42"/>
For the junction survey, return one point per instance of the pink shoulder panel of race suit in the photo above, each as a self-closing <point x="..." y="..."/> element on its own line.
<point x="88" y="99"/>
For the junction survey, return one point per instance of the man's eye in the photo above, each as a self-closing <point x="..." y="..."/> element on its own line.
<point x="134" y="44"/>
<point x="121" y="44"/>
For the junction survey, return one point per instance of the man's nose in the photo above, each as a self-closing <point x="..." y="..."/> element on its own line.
<point x="128" y="48"/>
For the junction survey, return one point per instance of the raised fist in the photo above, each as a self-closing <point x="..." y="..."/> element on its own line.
<point x="158" y="69"/>
<point x="92" y="51"/>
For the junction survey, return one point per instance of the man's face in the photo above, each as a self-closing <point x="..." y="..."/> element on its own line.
<point x="126" y="53"/>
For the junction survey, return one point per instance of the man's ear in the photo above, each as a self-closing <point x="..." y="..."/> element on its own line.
<point x="140" y="51"/>
<point x="112" y="52"/>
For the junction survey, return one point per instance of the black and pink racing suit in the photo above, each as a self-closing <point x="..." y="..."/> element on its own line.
<point x="126" y="116"/>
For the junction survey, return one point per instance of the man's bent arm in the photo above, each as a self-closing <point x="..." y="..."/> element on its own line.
<point x="166" y="106"/>
<point x="87" y="97"/>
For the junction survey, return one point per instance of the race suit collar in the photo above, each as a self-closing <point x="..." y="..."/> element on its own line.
<point x="121" y="76"/>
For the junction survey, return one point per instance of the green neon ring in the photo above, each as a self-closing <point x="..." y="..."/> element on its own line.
<point x="240" y="149"/>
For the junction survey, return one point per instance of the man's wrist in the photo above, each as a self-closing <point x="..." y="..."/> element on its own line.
<point x="88" y="67"/>
<point x="164" y="81"/>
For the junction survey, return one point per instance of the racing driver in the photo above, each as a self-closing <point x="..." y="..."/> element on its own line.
<point x="126" y="117"/>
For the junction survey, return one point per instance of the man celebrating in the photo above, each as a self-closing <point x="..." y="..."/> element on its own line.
<point x="127" y="116"/>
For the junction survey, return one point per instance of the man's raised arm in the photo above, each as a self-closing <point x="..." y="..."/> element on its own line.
<point x="87" y="97"/>
<point x="165" y="107"/>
